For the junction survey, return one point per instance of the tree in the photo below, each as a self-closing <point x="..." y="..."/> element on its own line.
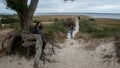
<point x="25" y="12"/>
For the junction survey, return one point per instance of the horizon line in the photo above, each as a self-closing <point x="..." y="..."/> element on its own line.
<point x="65" y="12"/>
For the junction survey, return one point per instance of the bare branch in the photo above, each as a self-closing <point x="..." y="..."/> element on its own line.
<point x="33" y="6"/>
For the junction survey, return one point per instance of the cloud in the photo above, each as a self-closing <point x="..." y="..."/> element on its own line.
<point x="100" y="6"/>
<point x="106" y="7"/>
<point x="79" y="6"/>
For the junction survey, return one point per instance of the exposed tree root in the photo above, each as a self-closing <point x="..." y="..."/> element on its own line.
<point x="22" y="44"/>
<point x="11" y="43"/>
<point x="27" y="45"/>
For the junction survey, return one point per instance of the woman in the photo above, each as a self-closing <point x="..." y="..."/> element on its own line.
<point x="38" y="30"/>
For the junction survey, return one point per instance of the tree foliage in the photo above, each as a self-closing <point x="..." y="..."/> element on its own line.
<point x="17" y="5"/>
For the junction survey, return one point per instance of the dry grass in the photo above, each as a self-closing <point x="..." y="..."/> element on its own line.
<point x="91" y="43"/>
<point x="49" y="18"/>
<point x="104" y="22"/>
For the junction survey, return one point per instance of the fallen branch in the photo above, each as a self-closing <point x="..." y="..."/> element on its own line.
<point x="38" y="55"/>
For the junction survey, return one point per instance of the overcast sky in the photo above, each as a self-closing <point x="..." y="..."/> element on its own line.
<point x="83" y="6"/>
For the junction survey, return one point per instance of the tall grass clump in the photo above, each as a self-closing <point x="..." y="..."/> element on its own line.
<point x="59" y="26"/>
<point x="55" y="31"/>
<point x="85" y="26"/>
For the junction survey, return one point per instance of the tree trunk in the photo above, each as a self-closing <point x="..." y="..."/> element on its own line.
<point x="26" y="17"/>
<point x="25" y="22"/>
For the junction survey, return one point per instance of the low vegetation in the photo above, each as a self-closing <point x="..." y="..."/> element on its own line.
<point x="55" y="31"/>
<point x="99" y="28"/>
<point x="8" y="21"/>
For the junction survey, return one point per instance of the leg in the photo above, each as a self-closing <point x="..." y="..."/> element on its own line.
<point x="43" y="53"/>
<point x="43" y="47"/>
<point x="71" y="32"/>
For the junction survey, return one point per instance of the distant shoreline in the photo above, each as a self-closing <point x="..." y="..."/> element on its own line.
<point x="93" y="15"/>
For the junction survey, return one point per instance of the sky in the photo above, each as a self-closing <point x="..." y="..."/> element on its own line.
<point x="81" y="6"/>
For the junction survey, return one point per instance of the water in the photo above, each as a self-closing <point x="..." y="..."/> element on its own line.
<point x="104" y="15"/>
<point x="93" y="15"/>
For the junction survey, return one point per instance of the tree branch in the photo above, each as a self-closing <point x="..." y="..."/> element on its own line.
<point x="33" y="6"/>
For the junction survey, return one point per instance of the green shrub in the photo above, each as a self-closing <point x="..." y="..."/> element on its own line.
<point x="7" y="19"/>
<point x="85" y="26"/>
<point x="59" y="26"/>
<point x="68" y="21"/>
<point x="96" y="31"/>
<point x="91" y="19"/>
<point x="53" y="31"/>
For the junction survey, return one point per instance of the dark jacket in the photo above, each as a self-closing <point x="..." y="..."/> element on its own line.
<point x="37" y="30"/>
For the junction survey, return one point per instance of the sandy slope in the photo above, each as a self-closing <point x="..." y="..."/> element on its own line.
<point x="15" y="62"/>
<point x="73" y="55"/>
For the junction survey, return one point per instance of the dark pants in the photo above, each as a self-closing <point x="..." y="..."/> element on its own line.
<point x="43" y="46"/>
<point x="43" y="53"/>
<point x="71" y="34"/>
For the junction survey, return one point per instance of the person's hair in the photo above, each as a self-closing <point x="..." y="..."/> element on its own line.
<point x="38" y="23"/>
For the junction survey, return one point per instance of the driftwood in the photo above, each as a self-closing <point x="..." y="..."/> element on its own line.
<point x="38" y="55"/>
<point x="29" y="40"/>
